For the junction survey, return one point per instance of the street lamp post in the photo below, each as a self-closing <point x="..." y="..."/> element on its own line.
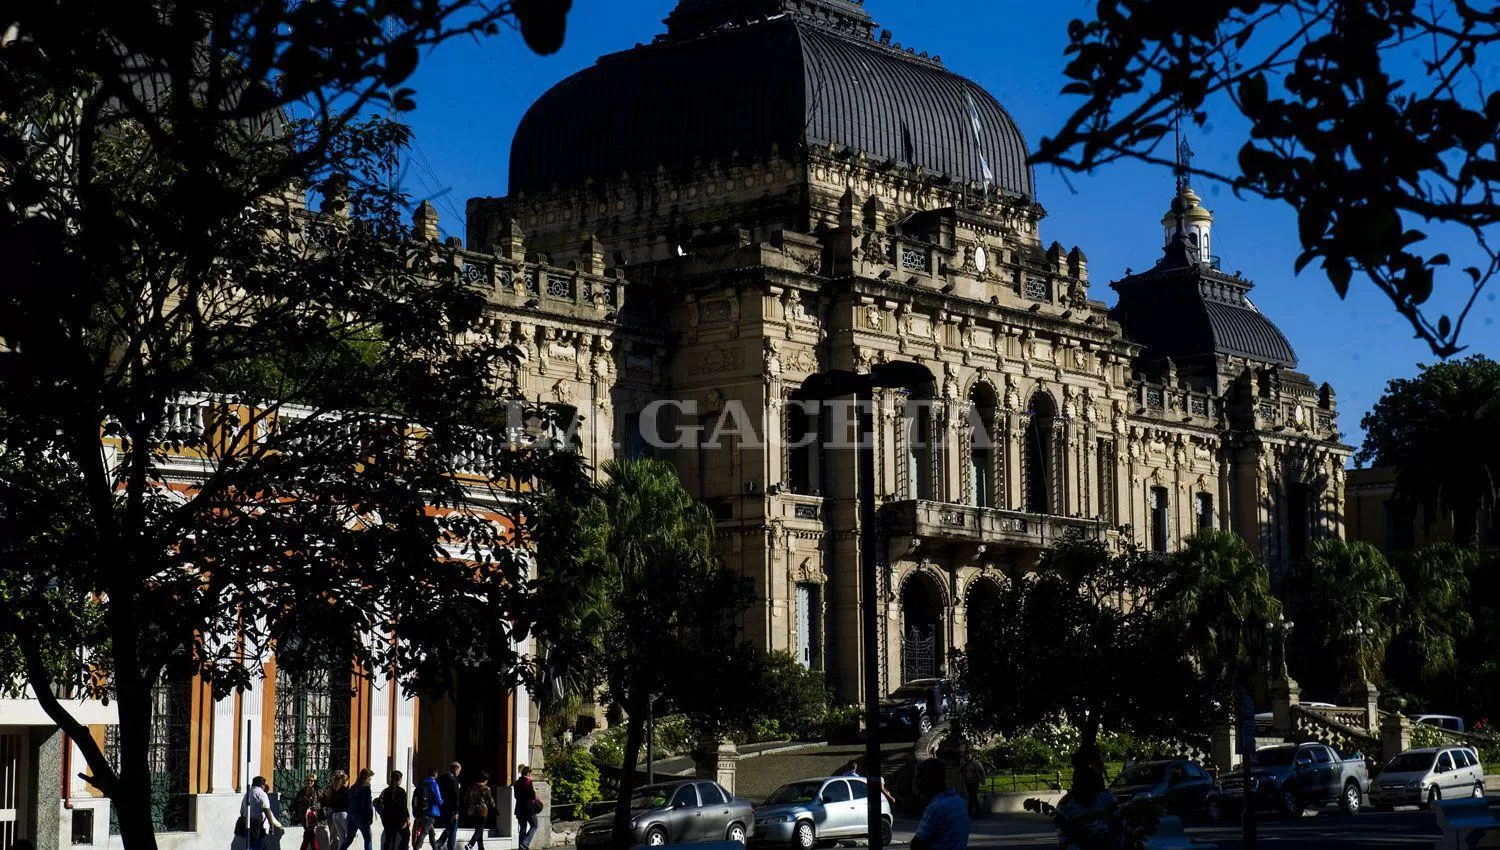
<point x="840" y="384"/>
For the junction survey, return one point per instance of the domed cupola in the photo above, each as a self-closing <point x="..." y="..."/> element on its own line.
<point x="751" y="79"/>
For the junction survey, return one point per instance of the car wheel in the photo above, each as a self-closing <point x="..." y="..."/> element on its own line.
<point x="885" y="832"/>
<point x="1351" y="800"/>
<point x="1479" y="789"/>
<point x="924" y="723"/>
<point x="803" y="836"/>
<point x="736" y="833"/>
<point x="656" y="836"/>
<point x="1290" y="806"/>
<point x="1434" y="796"/>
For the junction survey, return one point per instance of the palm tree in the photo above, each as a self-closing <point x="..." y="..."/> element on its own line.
<point x="1344" y="589"/>
<point x="666" y="614"/>
<point x="1435" y="617"/>
<point x="1437" y="431"/>
<point x="1219" y="591"/>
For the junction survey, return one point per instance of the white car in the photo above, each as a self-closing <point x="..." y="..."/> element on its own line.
<point x="1442" y="721"/>
<point x="1423" y="776"/>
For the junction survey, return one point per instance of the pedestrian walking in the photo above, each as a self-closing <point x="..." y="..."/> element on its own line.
<point x="528" y="806"/>
<point x="1087" y="816"/>
<point x="395" y="815"/>
<point x="945" y="822"/>
<point x="260" y="820"/>
<point x="426" y="808"/>
<point x="973" y="776"/>
<point x="449" y="817"/>
<point x="850" y="768"/>
<point x="305" y="807"/>
<point x="361" y="811"/>
<point x="336" y="801"/>
<point x="479" y="801"/>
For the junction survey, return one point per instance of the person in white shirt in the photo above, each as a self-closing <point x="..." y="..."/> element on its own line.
<point x="260" y="818"/>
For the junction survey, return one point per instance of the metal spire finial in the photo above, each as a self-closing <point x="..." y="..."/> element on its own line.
<point x="1184" y="155"/>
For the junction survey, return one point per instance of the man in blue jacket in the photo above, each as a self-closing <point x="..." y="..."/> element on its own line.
<point x="426" y="808"/>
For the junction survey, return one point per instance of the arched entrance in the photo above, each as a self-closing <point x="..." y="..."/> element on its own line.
<point x="922" y="640"/>
<point x="983" y="608"/>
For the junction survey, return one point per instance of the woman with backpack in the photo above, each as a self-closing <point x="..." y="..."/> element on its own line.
<point x="395" y="817"/>
<point x="478" y="802"/>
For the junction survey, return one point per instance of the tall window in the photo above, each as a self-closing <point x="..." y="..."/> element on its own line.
<point x="1106" y="482"/>
<point x="1400" y="526"/>
<point x="809" y="653"/>
<point x="981" y="447"/>
<point x="802" y="439"/>
<point x="166" y="755"/>
<point x="1037" y="447"/>
<point x="1159" y="527"/>
<point x="312" y="723"/>
<point x="919" y="447"/>
<point x="1298" y="504"/>
<point x="1205" y="512"/>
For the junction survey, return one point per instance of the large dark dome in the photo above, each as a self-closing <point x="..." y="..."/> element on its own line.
<point x="741" y="77"/>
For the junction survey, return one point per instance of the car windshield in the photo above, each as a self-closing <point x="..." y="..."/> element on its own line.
<point x="1410" y="762"/>
<point x="651" y="797"/>
<point x="1141" y="774"/>
<point x="912" y="691"/>
<point x="1275" y="756"/>
<point x="795" y="792"/>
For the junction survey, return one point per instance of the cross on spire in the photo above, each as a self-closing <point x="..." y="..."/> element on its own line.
<point x="1184" y="155"/>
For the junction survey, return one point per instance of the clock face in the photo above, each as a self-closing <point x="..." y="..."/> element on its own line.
<point x="980" y="260"/>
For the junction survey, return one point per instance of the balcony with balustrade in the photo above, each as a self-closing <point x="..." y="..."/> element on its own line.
<point x="946" y="523"/>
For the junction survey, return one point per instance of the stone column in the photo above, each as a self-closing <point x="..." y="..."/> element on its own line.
<point x="717" y="760"/>
<point x="1222" y="749"/>
<point x="1285" y="694"/>
<point x="1363" y="695"/>
<point x="1395" y="734"/>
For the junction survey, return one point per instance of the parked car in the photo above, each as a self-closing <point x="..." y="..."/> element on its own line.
<point x="1441" y="721"/>
<point x="672" y="812"/>
<point x="1291" y="778"/>
<point x="809" y="811"/>
<point x="1422" y="776"/>
<point x="1182" y="786"/>
<point x="918" y="705"/>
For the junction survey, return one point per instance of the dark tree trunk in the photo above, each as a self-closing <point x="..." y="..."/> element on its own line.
<point x="634" y="724"/>
<point x="131" y="796"/>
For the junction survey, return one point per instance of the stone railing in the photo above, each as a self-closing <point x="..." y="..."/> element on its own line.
<point x="1309" y="725"/>
<point x="1352" y="717"/>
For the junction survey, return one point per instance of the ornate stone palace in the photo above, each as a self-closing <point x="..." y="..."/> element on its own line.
<point x="773" y="188"/>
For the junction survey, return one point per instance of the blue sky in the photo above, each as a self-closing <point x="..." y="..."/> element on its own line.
<point x="471" y="96"/>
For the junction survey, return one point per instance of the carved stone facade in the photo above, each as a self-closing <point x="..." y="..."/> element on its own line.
<point x="727" y="282"/>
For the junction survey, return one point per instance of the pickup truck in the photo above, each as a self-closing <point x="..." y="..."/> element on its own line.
<point x="1291" y="778"/>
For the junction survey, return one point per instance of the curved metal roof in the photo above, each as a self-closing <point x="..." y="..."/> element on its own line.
<point x="748" y="89"/>
<point x="1181" y="308"/>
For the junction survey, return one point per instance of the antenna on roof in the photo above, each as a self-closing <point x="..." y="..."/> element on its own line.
<point x="1184" y="153"/>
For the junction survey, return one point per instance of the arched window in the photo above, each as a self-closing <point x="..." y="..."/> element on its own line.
<point x="1037" y="447"/>
<point x="1205" y="512"/>
<point x="982" y="454"/>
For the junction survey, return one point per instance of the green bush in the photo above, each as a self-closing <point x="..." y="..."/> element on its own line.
<point x="793" y="700"/>
<point x="1024" y="754"/>
<point x="609" y="747"/>
<point x="1425" y="735"/>
<point x="574" y="778"/>
<point x="841" y="722"/>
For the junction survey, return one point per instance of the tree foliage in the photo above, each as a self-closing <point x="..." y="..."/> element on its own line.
<point x="665" y="605"/>
<point x="1220" y="593"/>
<point x="1434" y="618"/>
<point x="229" y="422"/>
<point x="1437" y="431"/>
<point x="1342" y="586"/>
<point x="1372" y="120"/>
<point x="1085" y="639"/>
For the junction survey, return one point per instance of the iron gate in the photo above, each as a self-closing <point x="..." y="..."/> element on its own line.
<point x="167" y="756"/>
<point x="919" y="656"/>
<point x="312" y="727"/>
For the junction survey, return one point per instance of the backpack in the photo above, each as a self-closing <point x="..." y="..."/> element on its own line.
<point x="478" y="803"/>
<point x="421" y="800"/>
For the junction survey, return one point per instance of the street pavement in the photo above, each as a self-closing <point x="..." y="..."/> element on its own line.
<point x="1399" y="829"/>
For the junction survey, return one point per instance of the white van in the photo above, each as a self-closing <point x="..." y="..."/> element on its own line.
<point x="1441" y="721"/>
<point x="1426" y="775"/>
